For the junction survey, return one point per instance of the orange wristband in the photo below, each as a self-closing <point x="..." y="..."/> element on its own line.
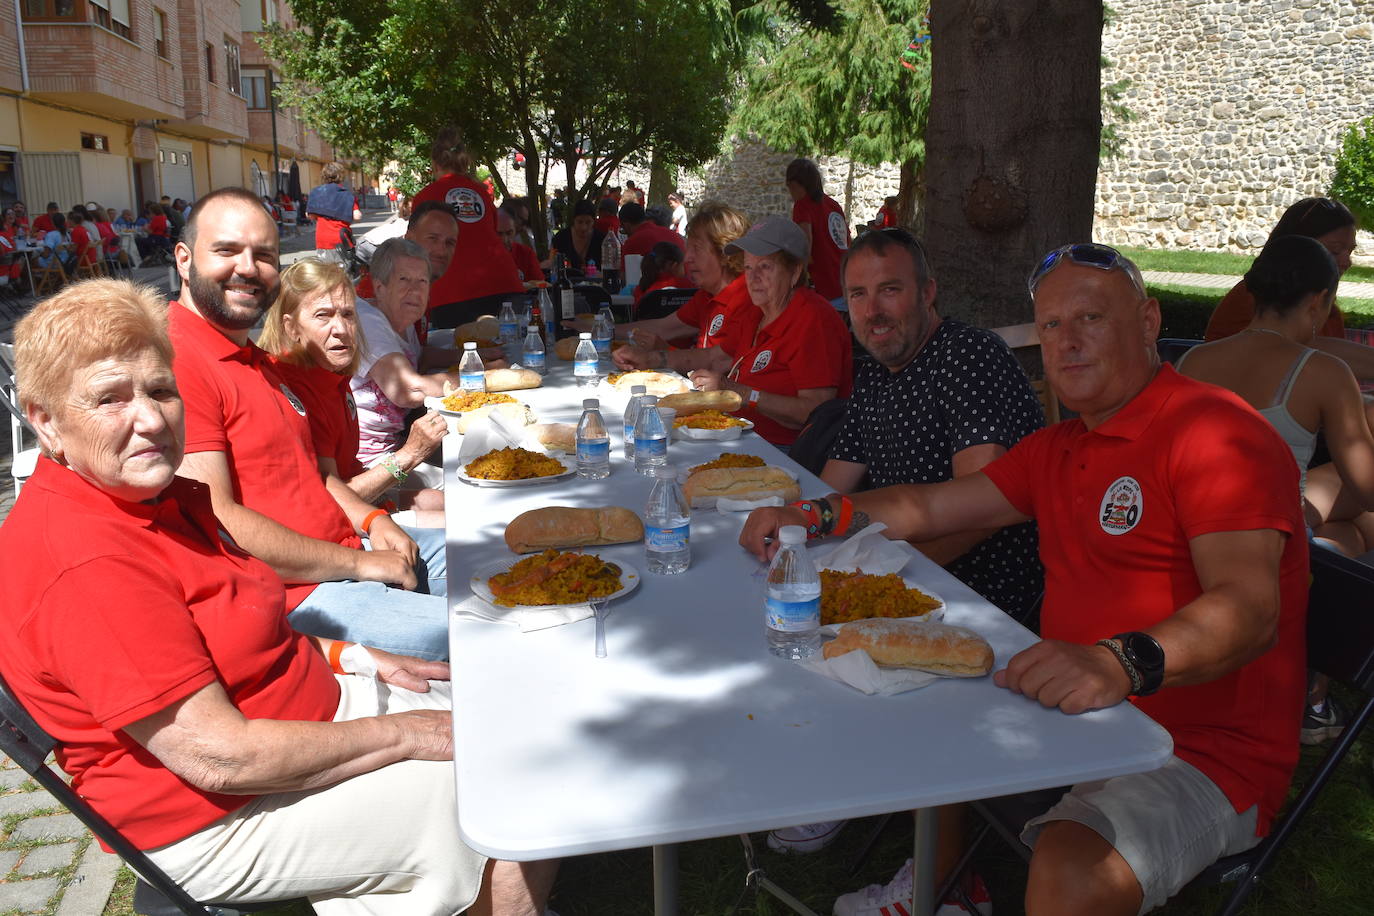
<point x="846" y="515"/>
<point x="335" y="651"/>
<point x="371" y="517"/>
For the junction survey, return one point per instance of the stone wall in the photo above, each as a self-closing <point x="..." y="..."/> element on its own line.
<point x="1242" y="105"/>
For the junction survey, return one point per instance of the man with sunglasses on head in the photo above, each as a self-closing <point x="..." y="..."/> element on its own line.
<point x="1175" y="576"/>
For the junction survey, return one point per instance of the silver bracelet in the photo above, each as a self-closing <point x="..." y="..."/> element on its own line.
<point x="1137" y="682"/>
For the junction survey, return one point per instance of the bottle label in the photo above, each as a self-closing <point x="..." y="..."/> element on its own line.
<point x="666" y="540"/>
<point x="603" y="346"/>
<point x="508" y="331"/>
<point x="584" y="367"/>
<point x="472" y="381"/>
<point x="651" y="448"/>
<point x="628" y="433"/>
<point x="534" y="360"/>
<point x="793" y="616"/>
<point x="567" y="305"/>
<point x="593" y="452"/>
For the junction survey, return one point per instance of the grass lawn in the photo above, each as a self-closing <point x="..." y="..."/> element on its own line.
<point x="1211" y="262"/>
<point x="1185" y="309"/>
<point x="1324" y="869"/>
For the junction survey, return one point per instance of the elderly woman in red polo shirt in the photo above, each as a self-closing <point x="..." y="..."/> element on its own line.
<point x="316" y="343"/>
<point x="158" y="654"/>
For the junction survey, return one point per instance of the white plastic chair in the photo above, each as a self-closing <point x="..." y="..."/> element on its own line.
<point x="23" y="458"/>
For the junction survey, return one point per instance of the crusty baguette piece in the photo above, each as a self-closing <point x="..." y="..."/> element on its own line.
<point x="703" y="488"/>
<point x="563" y="526"/>
<point x="935" y="647"/>
<point x="690" y="402"/>
<point x="512" y="379"/>
<point x="562" y="436"/>
<point x="487" y="327"/>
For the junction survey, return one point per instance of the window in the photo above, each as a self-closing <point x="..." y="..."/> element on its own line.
<point x="53" y="9"/>
<point x="111" y="14"/>
<point x="160" y="32"/>
<point x="98" y="142"/>
<point x="256" y="85"/>
<point x="209" y="62"/>
<point x="231" y="65"/>
<point x="269" y="12"/>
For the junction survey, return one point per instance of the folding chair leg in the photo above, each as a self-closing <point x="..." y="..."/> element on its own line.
<point x="869" y="843"/>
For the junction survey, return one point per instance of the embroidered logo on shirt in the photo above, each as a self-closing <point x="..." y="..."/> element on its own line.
<point x="838" y="234"/>
<point x="467" y="204"/>
<point x="714" y="329"/>
<point x="295" y="401"/>
<point x="761" y="361"/>
<point x="1122" y="506"/>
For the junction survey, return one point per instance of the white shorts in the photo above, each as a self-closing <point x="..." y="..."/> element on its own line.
<point x="1168" y="824"/>
<point x="382" y="844"/>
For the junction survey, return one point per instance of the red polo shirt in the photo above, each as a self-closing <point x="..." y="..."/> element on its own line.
<point x="158" y="225"/>
<point x="527" y="262"/>
<point x="1117" y="507"/>
<point x="481" y="265"/>
<point x="807" y="346"/>
<point x="42" y="225"/>
<point x="81" y="238"/>
<point x="646" y="235"/>
<point x="111" y="611"/>
<point x="829" y="240"/>
<point x="237" y="404"/>
<point x="606" y="222"/>
<point x="711" y="315"/>
<point x="329" y="407"/>
<point x="329" y="233"/>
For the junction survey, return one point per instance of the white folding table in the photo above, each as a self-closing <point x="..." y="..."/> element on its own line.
<point x="690" y="729"/>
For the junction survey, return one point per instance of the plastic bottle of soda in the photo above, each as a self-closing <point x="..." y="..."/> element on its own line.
<point x="792" y="610"/>
<point x="470" y="373"/>
<point x="667" y="525"/>
<point x="593" y="442"/>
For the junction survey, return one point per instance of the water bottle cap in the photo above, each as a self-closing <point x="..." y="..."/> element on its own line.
<point x="636" y="390"/>
<point x="585" y="335"/>
<point x="591" y="404"/>
<point x="506" y="305"/>
<point x="470" y="345"/>
<point x="792" y="534"/>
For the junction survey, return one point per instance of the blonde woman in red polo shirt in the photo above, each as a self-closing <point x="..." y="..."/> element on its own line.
<point x="157" y="653"/>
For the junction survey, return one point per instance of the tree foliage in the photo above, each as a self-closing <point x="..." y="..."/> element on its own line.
<point x="835" y="84"/>
<point x="586" y="82"/>
<point x="1353" y="183"/>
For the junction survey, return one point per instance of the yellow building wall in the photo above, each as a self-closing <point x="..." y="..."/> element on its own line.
<point x="226" y="165"/>
<point x="55" y="130"/>
<point x="9" y="122"/>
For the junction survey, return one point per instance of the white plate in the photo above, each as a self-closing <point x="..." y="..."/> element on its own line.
<point x="718" y="435"/>
<point x="833" y="629"/>
<point x="629" y="578"/>
<point x="568" y="471"/>
<point x="434" y="403"/>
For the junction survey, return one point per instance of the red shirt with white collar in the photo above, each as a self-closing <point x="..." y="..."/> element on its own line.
<point x="236" y="403"/>
<point x="1117" y="507"/>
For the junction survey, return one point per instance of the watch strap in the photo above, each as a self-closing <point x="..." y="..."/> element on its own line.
<point x="1132" y="672"/>
<point x="1151" y="674"/>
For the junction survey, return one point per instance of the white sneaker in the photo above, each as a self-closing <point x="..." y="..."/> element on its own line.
<point x="804" y="838"/>
<point x="894" y="899"/>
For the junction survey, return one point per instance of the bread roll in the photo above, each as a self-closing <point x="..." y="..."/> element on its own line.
<point x="690" y="402"/>
<point x="562" y="526"/>
<point x="484" y="328"/>
<point x="561" y="436"/>
<point x="705" y="487"/>
<point x="935" y="647"/>
<point x="659" y="384"/>
<point x="512" y="379"/>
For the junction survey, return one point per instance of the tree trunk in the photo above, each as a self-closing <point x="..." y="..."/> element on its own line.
<point x="910" y="191"/>
<point x="1011" y="146"/>
<point x="662" y="180"/>
<point x="536" y="194"/>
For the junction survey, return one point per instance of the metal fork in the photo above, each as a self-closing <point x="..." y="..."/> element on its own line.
<point x="599" y="610"/>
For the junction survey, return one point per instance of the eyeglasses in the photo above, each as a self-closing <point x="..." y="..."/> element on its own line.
<point x="1088" y="254"/>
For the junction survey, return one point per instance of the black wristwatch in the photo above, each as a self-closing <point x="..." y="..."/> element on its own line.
<point x="1147" y="656"/>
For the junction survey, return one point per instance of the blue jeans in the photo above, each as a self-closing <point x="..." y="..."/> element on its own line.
<point x="382" y="617"/>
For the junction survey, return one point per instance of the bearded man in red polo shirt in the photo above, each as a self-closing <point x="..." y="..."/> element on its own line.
<point x="1175" y="576"/>
<point x="248" y="439"/>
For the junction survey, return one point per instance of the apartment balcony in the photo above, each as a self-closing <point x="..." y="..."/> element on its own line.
<point x="85" y="66"/>
<point x="260" y="132"/>
<point x="212" y="111"/>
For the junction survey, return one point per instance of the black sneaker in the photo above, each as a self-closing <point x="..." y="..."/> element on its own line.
<point x="1320" y="727"/>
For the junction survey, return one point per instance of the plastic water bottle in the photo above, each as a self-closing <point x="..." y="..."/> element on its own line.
<point x="610" y="258"/>
<point x="585" y="361"/>
<point x="668" y="525"/>
<point x="792" y="610"/>
<point x="631" y="412"/>
<point x="470" y="373"/>
<point x="593" y="442"/>
<point x="509" y="326"/>
<point x="522" y="317"/>
<point x="533" y="355"/>
<point x="546" y="309"/>
<point x="603" y="331"/>
<point x="651" y="437"/>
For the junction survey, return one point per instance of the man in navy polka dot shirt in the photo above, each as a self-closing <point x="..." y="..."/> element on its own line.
<point x="939" y="400"/>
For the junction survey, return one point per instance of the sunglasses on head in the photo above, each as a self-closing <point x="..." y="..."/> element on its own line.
<point x="1088" y="254"/>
